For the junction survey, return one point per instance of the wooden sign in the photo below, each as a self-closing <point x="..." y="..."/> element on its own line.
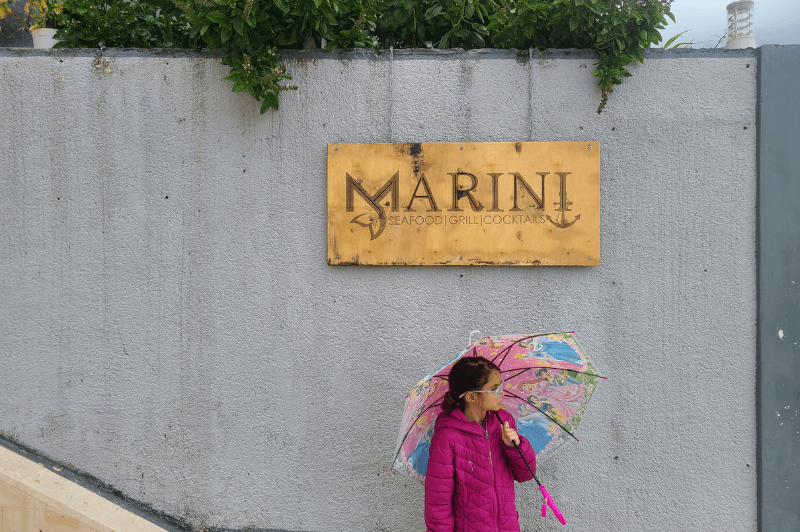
<point x="503" y="203"/>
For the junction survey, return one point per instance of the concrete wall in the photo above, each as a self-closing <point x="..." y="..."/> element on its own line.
<point x="170" y="326"/>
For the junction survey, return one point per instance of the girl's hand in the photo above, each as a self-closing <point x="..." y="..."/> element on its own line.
<point x="509" y="435"/>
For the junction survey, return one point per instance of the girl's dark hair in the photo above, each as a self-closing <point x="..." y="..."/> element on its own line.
<point x="468" y="373"/>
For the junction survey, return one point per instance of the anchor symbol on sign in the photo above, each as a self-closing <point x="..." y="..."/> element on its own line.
<point x="563" y="205"/>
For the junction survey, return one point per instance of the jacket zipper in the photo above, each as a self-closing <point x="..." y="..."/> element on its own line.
<point x="494" y="487"/>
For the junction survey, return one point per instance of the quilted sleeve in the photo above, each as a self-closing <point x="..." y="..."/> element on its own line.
<point x="439" y="486"/>
<point x="519" y="470"/>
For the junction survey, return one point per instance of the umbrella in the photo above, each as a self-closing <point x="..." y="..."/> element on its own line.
<point x="547" y="383"/>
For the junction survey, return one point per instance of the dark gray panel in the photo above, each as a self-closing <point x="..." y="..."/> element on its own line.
<point x="778" y="389"/>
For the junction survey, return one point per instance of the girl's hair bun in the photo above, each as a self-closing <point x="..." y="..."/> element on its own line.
<point x="450" y="401"/>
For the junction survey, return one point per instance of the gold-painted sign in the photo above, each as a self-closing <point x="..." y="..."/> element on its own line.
<point x="504" y="203"/>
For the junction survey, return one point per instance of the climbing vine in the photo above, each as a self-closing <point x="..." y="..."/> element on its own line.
<point x="251" y="33"/>
<point x="618" y="30"/>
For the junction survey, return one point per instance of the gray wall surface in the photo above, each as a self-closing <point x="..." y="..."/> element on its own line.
<point x="170" y="326"/>
<point x="779" y="291"/>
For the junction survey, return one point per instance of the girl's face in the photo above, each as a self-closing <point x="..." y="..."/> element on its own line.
<point x="484" y="400"/>
<point x="490" y="401"/>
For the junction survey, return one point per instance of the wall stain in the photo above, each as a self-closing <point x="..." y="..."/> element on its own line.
<point x="55" y="426"/>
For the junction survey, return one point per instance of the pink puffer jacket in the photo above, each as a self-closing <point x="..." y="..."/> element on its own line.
<point x="469" y="485"/>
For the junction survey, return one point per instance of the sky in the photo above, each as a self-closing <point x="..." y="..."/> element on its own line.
<point x="775" y="22"/>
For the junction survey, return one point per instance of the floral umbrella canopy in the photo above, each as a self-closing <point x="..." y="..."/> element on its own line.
<point x="547" y="383"/>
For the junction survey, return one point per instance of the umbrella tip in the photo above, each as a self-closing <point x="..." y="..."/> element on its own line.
<point x="572" y="332"/>
<point x="406" y="396"/>
<point x="391" y="468"/>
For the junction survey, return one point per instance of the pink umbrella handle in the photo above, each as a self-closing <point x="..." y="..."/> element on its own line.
<point x="552" y="505"/>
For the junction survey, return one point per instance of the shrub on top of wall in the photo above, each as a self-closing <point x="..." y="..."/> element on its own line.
<point x="251" y="32"/>
<point x="121" y="24"/>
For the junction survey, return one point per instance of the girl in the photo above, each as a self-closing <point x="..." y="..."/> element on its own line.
<point x="469" y="485"/>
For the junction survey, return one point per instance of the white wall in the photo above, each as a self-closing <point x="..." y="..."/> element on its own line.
<point x="168" y="322"/>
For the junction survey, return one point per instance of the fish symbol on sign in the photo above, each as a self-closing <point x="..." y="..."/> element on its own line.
<point x="373" y="223"/>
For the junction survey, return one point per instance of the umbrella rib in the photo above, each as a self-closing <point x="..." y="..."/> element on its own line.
<point x="549" y="367"/>
<point x="400" y="447"/>
<point x="512" y="344"/>
<point x="508" y="348"/>
<point x="542" y="411"/>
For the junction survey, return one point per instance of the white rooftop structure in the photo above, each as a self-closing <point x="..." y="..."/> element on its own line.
<point x="739" y="33"/>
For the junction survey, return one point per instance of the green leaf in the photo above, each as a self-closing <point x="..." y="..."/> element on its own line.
<point x="225" y="35"/>
<point x="268" y="104"/>
<point x="239" y="86"/>
<point x="281" y="6"/>
<point x="579" y="2"/>
<point x="673" y="39"/>
<point x="217" y="17"/>
<point x="433" y="11"/>
<point x="573" y="23"/>
<point x="238" y="25"/>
